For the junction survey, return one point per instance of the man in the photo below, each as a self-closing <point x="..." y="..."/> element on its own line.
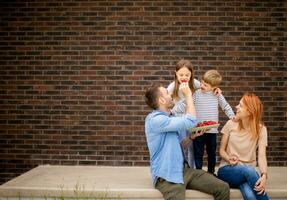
<point x="171" y="174"/>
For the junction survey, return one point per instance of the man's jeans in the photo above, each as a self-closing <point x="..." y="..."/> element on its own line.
<point x="197" y="180"/>
<point x="243" y="177"/>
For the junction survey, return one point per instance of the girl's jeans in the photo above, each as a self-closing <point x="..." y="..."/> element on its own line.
<point x="243" y="177"/>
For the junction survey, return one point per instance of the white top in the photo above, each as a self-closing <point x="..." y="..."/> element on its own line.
<point x="179" y="104"/>
<point x="170" y="88"/>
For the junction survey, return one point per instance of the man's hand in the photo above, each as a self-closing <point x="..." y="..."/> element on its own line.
<point x="198" y="133"/>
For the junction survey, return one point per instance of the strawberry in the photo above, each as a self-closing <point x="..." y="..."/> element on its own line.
<point x="206" y="123"/>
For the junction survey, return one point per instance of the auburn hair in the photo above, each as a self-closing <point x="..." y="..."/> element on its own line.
<point x="255" y="108"/>
<point x="181" y="64"/>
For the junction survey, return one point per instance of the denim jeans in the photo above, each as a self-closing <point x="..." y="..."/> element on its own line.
<point x="243" y="177"/>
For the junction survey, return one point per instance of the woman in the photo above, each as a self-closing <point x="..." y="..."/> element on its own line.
<point x="238" y="146"/>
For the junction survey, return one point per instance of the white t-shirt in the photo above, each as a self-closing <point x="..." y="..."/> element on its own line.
<point x="170" y="88"/>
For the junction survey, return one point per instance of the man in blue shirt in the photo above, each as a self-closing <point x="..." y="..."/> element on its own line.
<point x="171" y="174"/>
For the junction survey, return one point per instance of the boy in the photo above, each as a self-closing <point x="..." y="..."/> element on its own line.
<point x="206" y="105"/>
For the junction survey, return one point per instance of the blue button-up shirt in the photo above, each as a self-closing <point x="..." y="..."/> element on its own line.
<point x="163" y="135"/>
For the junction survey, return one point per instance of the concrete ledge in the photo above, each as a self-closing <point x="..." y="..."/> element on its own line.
<point x="94" y="182"/>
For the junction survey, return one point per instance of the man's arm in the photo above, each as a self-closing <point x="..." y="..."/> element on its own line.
<point x="163" y="123"/>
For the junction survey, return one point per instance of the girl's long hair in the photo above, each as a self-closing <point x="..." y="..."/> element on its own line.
<point x="255" y="108"/>
<point x="180" y="64"/>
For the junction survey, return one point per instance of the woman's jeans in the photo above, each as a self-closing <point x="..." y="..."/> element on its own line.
<point x="243" y="177"/>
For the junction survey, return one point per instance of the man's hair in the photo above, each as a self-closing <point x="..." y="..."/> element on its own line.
<point x="151" y="96"/>
<point x="212" y="77"/>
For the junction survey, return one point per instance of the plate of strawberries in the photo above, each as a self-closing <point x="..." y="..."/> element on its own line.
<point x="205" y="125"/>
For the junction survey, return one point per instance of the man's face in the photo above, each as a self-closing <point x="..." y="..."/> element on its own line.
<point x="165" y="98"/>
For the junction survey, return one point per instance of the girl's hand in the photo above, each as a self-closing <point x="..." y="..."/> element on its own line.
<point x="260" y="185"/>
<point x="184" y="87"/>
<point x="233" y="160"/>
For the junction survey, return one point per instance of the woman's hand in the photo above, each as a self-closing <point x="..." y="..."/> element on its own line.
<point x="233" y="160"/>
<point x="260" y="185"/>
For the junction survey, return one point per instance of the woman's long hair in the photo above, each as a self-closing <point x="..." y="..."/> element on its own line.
<point x="180" y="64"/>
<point x="255" y="108"/>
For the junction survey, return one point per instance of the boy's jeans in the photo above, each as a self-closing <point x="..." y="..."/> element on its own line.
<point x="208" y="139"/>
<point x="243" y="177"/>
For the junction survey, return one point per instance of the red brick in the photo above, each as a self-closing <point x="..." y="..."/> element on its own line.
<point x="72" y="85"/>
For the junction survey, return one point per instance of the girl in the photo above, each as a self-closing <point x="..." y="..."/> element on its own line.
<point x="239" y="143"/>
<point x="183" y="74"/>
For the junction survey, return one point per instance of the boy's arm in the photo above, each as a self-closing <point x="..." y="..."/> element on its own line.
<point x="225" y="106"/>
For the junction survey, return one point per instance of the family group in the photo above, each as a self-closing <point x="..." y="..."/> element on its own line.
<point x="176" y="153"/>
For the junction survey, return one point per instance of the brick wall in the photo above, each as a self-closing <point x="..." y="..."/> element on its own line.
<point x="73" y="73"/>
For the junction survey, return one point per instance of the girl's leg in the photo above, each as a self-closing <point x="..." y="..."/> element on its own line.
<point x="191" y="156"/>
<point x="247" y="192"/>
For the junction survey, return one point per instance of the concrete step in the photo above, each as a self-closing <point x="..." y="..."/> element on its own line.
<point x="105" y="182"/>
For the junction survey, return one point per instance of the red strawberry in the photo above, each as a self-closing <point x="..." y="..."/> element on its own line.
<point x="206" y="123"/>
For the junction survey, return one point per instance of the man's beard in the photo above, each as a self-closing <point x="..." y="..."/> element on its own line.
<point x="171" y="105"/>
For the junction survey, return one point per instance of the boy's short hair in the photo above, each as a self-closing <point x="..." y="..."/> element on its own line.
<point x="151" y="96"/>
<point x="212" y="77"/>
